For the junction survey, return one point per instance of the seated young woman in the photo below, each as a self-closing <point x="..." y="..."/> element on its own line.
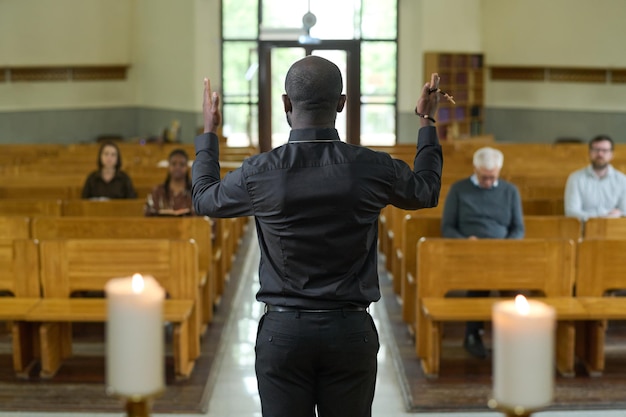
<point x="109" y="181"/>
<point x="173" y="197"/>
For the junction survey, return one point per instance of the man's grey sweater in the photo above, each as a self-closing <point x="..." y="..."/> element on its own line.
<point x="485" y="213"/>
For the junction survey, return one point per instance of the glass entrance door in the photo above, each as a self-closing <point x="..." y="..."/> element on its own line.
<point x="275" y="58"/>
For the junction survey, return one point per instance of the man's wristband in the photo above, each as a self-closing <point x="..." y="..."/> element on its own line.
<point x="425" y="116"/>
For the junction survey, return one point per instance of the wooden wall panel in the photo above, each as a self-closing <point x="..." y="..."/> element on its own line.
<point x="518" y="73"/>
<point x="38" y="74"/>
<point x="618" y="76"/>
<point x="90" y="73"/>
<point x="573" y="75"/>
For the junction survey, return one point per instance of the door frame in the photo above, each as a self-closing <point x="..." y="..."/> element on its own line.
<point x="352" y="85"/>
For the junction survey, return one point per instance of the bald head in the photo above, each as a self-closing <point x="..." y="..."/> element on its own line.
<point x="313" y="84"/>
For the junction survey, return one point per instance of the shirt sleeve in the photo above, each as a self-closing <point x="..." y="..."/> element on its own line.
<point x="573" y="200"/>
<point x="516" y="229"/>
<point x="621" y="204"/>
<point x="420" y="187"/>
<point x="450" y="217"/>
<point x="211" y="196"/>
<point x="130" y="189"/>
<point x="87" y="188"/>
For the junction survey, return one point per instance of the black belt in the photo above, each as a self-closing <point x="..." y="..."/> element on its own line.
<point x="282" y="309"/>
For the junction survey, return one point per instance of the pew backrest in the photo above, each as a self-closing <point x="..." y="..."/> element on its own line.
<point x="552" y="227"/>
<point x="111" y="208"/>
<point x="197" y="228"/>
<point x="19" y="267"/>
<point x="445" y="265"/>
<point x="14" y="227"/>
<point x="601" y="267"/>
<point x="71" y="265"/>
<point x="30" y="207"/>
<point x="604" y="228"/>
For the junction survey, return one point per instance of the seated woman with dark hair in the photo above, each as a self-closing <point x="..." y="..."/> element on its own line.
<point x="173" y="197"/>
<point x="109" y="181"/>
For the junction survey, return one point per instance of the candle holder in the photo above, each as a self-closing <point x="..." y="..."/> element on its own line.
<point x="509" y="411"/>
<point x="137" y="406"/>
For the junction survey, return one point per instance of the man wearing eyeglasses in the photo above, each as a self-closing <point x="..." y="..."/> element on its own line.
<point x="598" y="190"/>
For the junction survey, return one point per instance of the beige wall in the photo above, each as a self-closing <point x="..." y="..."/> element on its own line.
<point x="65" y="32"/>
<point x="177" y="44"/>
<point x="559" y="33"/>
<point x="554" y="32"/>
<point x="570" y="33"/>
<point x="427" y="25"/>
<point x="62" y="32"/>
<point x="171" y="45"/>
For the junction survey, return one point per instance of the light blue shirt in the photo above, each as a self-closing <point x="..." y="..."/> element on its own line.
<point x="474" y="180"/>
<point x="587" y="195"/>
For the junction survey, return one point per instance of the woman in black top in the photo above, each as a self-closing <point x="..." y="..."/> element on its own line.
<point x="109" y="181"/>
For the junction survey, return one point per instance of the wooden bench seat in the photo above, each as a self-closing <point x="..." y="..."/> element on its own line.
<point x="128" y="227"/>
<point x="72" y="265"/>
<point x="601" y="269"/>
<point x="568" y="309"/>
<point x="447" y="265"/>
<point x="30" y="206"/>
<point x="416" y="226"/>
<point x="54" y="311"/>
<point x="19" y="277"/>
<point x="552" y="227"/>
<point x="108" y="208"/>
<point x="605" y="228"/>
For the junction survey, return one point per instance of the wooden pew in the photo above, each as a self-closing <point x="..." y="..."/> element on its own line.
<point x="415" y="227"/>
<point x="552" y="227"/>
<point x="182" y="228"/>
<point x="74" y="265"/>
<point x="14" y="227"/>
<point x="111" y="208"/>
<point x="36" y="191"/>
<point x="30" y="207"/>
<point x="393" y="256"/>
<point x="553" y="206"/>
<point x="603" y="228"/>
<point x="394" y="232"/>
<point x="19" y="280"/>
<point x="383" y="228"/>
<point x="601" y="268"/>
<point x="446" y="265"/>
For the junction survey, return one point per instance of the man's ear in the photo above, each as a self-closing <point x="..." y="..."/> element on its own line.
<point x="286" y="103"/>
<point x="341" y="103"/>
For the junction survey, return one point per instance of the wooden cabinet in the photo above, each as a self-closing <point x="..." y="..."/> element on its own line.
<point x="462" y="77"/>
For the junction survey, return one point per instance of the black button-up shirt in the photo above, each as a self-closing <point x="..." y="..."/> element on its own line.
<point x="316" y="202"/>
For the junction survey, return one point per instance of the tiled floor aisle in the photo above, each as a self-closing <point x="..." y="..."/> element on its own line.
<point x="235" y="392"/>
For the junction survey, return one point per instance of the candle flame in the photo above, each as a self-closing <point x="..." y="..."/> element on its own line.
<point x="521" y="304"/>
<point x="137" y="283"/>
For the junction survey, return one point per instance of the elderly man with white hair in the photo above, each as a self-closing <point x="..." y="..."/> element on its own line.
<point x="482" y="206"/>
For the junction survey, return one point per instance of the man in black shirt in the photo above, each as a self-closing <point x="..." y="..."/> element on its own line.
<point x="316" y="202"/>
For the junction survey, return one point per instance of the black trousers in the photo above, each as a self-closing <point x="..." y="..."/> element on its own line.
<point x="324" y="361"/>
<point x="473" y="327"/>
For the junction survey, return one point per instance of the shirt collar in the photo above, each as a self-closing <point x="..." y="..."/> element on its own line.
<point x="474" y="180"/>
<point x="313" y="134"/>
<point x="592" y="173"/>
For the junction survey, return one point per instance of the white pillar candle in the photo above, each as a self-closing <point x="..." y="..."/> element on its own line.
<point x="523" y="353"/>
<point x="134" y="336"/>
